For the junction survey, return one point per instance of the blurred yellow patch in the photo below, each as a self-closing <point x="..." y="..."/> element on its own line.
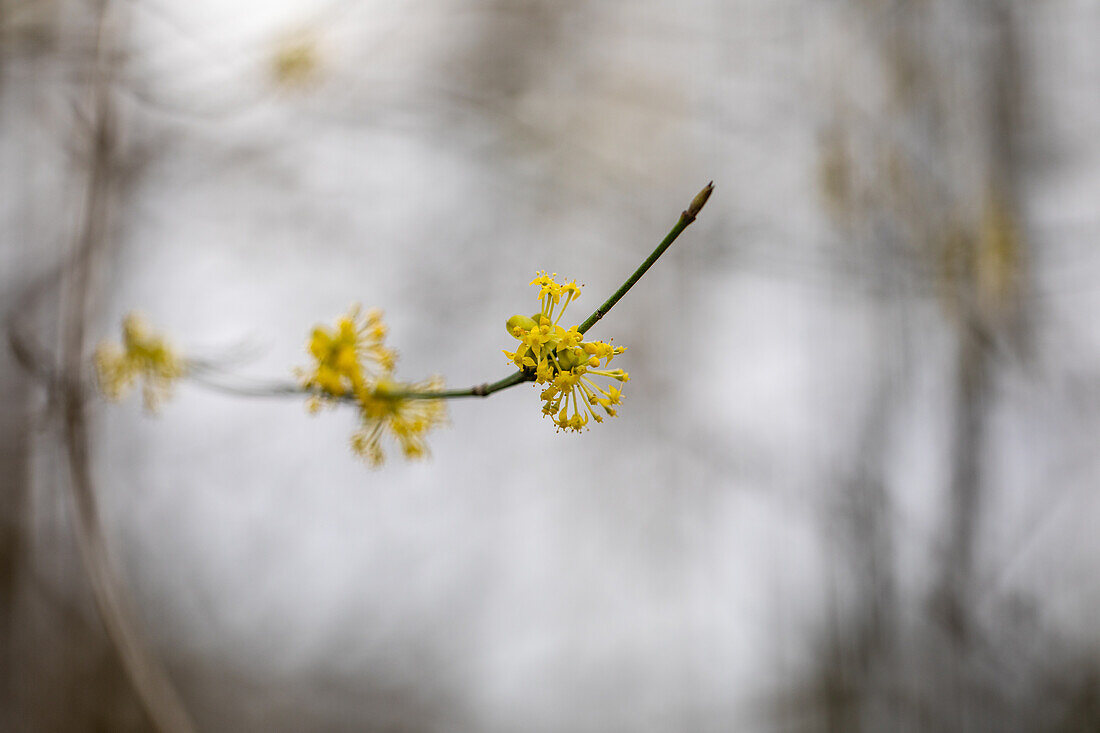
<point x="385" y="410"/>
<point x="348" y="357"/>
<point x="297" y="60"/>
<point x="144" y="355"/>
<point x="352" y="362"/>
<point x="999" y="254"/>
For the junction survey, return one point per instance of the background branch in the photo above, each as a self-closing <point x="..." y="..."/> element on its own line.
<point x="148" y="677"/>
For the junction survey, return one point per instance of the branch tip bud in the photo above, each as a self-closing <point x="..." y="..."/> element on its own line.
<point x="699" y="201"/>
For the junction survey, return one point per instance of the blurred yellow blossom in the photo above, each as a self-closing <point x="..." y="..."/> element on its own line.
<point x="562" y="360"/>
<point x="142" y="354"/>
<point x="352" y="363"/>
<point x="349" y="356"/>
<point x="297" y="59"/>
<point x="386" y="408"/>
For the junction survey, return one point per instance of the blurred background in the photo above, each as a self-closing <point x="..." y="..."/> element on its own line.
<point x="852" y="486"/>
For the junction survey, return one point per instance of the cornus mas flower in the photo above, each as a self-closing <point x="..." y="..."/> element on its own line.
<point x="353" y="364"/>
<point x="143" y="355"/>
<point x="562" y="360"/>
<point x="348" y="356"/>
<point x="386" y="409"/>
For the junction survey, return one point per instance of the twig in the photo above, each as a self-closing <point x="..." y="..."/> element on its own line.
<point x="149" y="679"/>
<point x="686" y="218"/>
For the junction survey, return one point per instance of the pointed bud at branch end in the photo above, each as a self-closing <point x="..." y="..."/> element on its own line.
<point x="699" y="202"/>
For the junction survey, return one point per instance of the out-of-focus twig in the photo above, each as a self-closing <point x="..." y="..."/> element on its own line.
<point x="148" y="677"/>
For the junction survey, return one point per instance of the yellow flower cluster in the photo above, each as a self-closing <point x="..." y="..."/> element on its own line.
<point x="143" y="354"/>
<point x="383" y="409"/>
<point x="348" y="356"/>
<point x="562" y="360"/>
<point x="352" y="362"/>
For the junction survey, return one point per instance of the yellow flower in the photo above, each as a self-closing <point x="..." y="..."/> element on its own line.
<point x="352" y="362"/>
<point x="385" y="408"/>
<point x="560" y="358"/>
<point x="143" y="354"/>
<point x="348" y="356"/>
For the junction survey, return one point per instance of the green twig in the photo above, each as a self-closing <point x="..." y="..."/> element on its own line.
<point x="481" y="390"/>
<point x="292" y="389"/>
<point x="686" y="217"/>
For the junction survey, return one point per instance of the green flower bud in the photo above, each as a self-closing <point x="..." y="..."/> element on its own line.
<point x="521" y="322"/>
<point x="568" y="358"/>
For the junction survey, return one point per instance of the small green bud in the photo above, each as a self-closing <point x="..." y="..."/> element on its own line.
<point x="521" y="322"/>
<point x="569" y="358"/>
